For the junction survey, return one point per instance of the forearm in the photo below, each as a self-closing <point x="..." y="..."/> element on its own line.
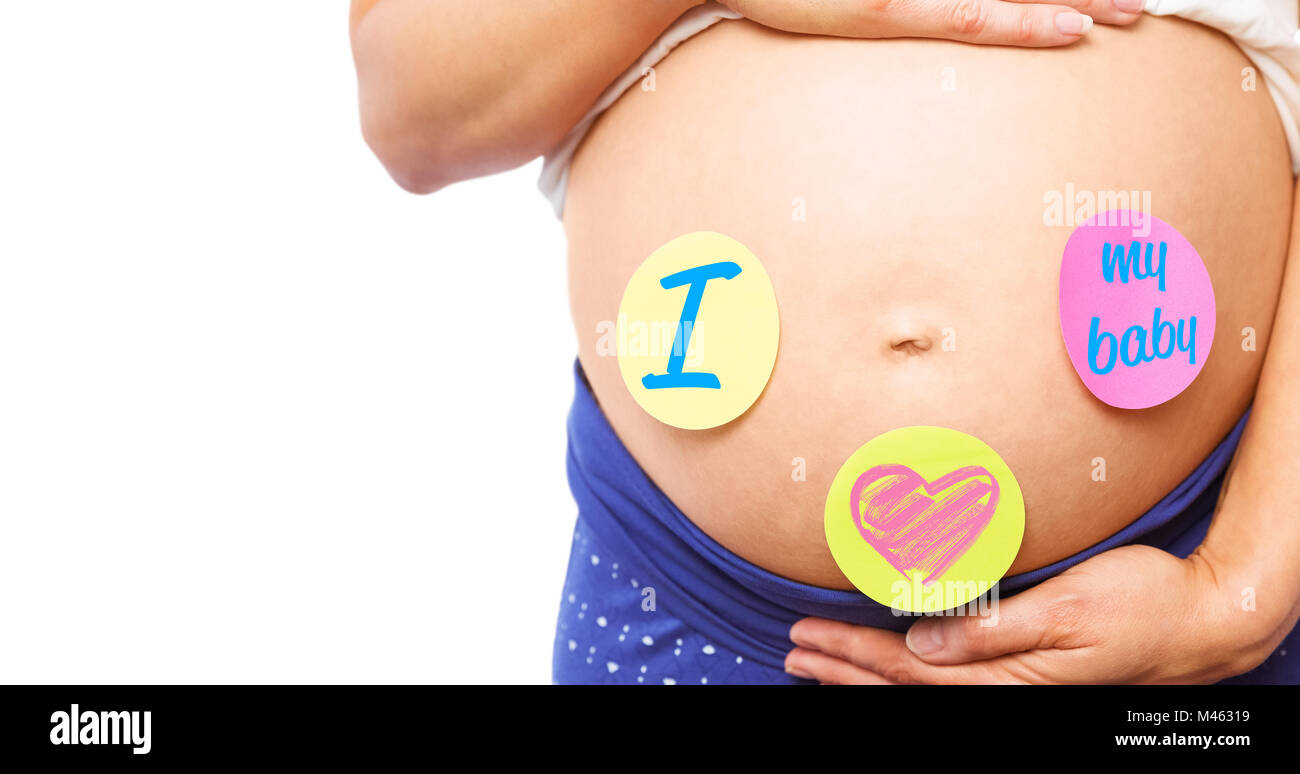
<point x="453" y="90"/>
<point x="1254" y="542"/>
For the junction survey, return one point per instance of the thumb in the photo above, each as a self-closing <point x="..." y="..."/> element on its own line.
<point x="1037" y="618"/>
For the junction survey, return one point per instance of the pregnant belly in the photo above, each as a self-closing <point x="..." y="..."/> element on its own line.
<point x="900" y="193"/>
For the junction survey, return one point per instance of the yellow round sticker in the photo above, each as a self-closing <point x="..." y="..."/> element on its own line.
<point x="697" y="331"/>
<point x="924" y="519"/>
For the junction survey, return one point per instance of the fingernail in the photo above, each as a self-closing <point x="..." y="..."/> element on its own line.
<point x="1073" y="23"/>
<point x="1130" y="6"/>
<point x="924" y="637"/>
<point x="799" y="673"/>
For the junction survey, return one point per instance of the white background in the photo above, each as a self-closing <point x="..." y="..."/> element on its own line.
<point x="264" y="417"/>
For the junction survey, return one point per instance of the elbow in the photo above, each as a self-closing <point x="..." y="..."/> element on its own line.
<point x="416" y="179"/>
<point x="430" y="128"/>
<point x="427" y="153"/>
<point x="426" y="156"/>
<point x="417" y="167"/>
<point x="421" y="179"/>
<point x="428" y="140"/>
<point x="390" y="122"/>
<point x="415" y="183"/>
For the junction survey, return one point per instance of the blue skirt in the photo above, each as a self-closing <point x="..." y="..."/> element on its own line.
<point x="649" y="598"/>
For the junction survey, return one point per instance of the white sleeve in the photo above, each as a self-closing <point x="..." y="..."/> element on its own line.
<point x="555" y="170"/>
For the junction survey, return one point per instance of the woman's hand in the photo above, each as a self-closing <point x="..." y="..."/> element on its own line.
<point x="1130" y="615"/>
<point x="997" y="22"/>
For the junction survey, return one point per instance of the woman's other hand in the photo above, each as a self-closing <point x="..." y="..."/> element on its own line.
<point x="1129" y="615"/>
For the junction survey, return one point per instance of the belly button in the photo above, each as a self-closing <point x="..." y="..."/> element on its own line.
<point x="913" y="341"/>
<point x="911" y="345"/>
<point x="908" y="332"/>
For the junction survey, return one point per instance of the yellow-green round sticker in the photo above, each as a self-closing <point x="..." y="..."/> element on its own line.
<point x="697" y="331"/>
<point x="924" y="519"/>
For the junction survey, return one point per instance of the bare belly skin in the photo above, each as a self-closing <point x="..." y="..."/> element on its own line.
<point x="924" y="211"/>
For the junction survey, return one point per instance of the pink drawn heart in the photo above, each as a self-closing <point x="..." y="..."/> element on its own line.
<point x="922" y="531"/>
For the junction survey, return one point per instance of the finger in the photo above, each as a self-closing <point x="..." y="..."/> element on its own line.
<point x="885" y="654"/>
<point x="825" y="669"/>
<point x="972" y="21"/>
<point x="1011" y="24"/>
<point x="1045" y="616"/>
<point x="1117" y="12"/>
<point x="986" y="21"/>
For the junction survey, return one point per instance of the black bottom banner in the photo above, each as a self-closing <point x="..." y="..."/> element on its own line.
<point x="143" y="726"/>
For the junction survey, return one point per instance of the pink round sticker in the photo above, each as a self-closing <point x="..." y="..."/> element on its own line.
<point x="1137" y="308"/>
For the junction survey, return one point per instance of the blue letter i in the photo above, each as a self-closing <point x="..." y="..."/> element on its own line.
<point x="697" y="278"/>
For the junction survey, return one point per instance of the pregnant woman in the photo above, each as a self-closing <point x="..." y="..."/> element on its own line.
<point x="898" y="190"/>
